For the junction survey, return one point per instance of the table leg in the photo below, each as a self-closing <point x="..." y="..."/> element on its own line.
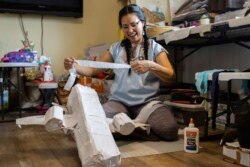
<point x="19" y="91"/>
<point x="206" y="125"/>
<point x="229" y="91"/>
<point x="1" y="89"/>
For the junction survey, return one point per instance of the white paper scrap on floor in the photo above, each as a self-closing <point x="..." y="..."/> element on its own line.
<point x="53" y="120"/>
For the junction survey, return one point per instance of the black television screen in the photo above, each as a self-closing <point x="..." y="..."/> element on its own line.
<point x="67" y="8"/>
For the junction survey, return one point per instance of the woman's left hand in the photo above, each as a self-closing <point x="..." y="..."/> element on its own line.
<point x="141" y="66"/>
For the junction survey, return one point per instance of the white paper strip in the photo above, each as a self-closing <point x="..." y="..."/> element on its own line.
<point x="96" y="64"/>
<point x="53" y="120"/>
<point x="71" y="80"/>
<point x="31" y="120"/>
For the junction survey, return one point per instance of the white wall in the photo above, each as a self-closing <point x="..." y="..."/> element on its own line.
<point x="63" y="37"/>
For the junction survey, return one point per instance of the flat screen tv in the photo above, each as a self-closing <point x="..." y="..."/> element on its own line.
<point x="66" y="8"/>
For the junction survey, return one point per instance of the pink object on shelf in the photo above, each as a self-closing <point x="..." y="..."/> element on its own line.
<point x="42" y="109"/>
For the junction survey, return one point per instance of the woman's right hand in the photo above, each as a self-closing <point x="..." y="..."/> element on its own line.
<point x="68" y="63"/>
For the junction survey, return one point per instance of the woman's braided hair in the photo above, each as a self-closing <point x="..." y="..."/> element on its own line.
<point x="135" y="9"/>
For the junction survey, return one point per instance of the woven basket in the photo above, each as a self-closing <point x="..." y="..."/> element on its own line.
<point x="156" y="30"/>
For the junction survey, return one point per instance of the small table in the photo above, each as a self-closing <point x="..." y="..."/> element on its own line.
<point x="5" y="78"/>
<point x="228" y="77"/>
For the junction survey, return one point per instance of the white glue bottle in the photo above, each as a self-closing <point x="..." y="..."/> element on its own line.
<point x="191" y="138"/>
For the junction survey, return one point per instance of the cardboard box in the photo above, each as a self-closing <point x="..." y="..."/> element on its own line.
<point x="236" y="155"/>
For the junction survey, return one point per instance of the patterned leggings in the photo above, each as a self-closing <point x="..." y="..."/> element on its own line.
<point x="161" y="121"/>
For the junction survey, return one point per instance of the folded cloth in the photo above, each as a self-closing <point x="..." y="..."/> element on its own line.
<point x="202" y="80"/>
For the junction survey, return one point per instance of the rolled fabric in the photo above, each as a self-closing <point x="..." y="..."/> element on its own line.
<point x="54" y="119"/>
<point x="123" y="124"/>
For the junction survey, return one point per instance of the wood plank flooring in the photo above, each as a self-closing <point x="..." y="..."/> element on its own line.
<point x="33" y="146"/>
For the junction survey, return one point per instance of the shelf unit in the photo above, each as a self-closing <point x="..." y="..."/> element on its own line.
<point x="194" y="38"/>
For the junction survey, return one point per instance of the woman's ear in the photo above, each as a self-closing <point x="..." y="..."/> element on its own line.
<point x="143" y="23"/>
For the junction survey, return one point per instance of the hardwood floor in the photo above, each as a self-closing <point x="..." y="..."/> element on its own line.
<point x="33" y="146"/>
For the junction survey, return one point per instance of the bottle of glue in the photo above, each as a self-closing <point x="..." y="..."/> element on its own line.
<point x="191" y="138"/>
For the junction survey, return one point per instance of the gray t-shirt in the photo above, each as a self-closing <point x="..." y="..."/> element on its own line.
<point x="134" y="89"/>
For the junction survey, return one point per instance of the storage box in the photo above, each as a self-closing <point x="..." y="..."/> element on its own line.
<point x="236" y="155"/>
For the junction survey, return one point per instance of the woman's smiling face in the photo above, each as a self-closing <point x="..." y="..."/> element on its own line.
<point x="132" y="28"/>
